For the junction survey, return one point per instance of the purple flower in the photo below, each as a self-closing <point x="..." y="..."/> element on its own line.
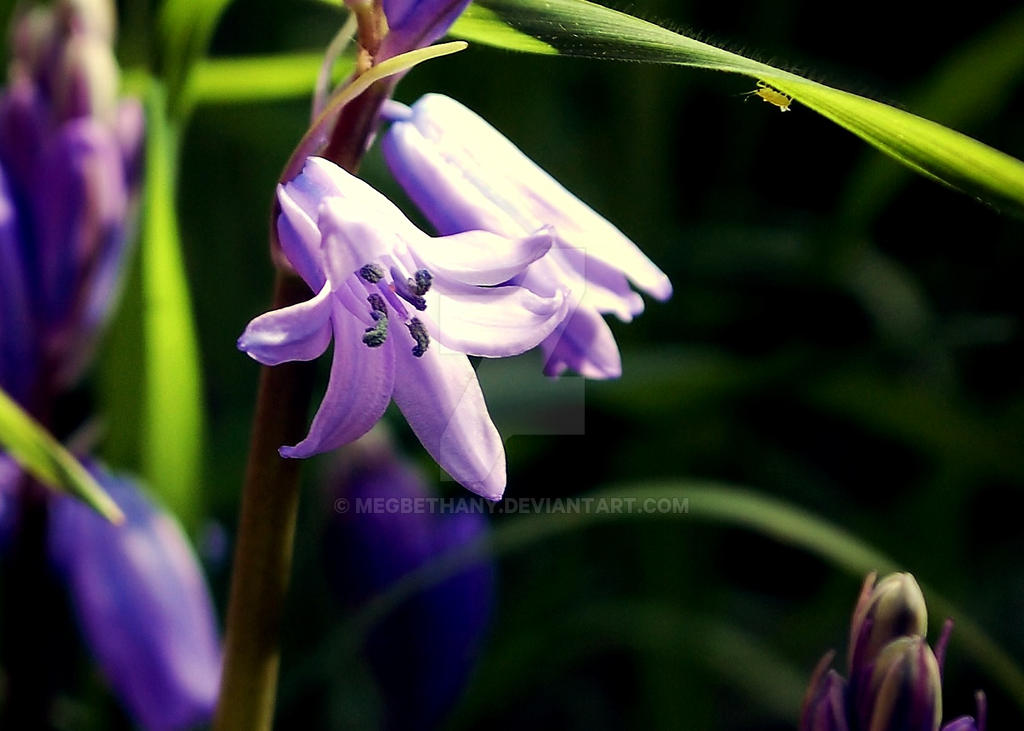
<point x="463" y="174"/>
<point x="414" y="24"/>
<point x="421" y="654"/>
<point x="69" y="154"/>
<point x="404" y="310"/>
<point x="142" y="604"/>
<point x="18" y="359"/>
<point x="10" y="474"/>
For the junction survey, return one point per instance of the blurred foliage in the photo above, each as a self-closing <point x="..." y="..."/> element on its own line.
<point x="843" y="336"/>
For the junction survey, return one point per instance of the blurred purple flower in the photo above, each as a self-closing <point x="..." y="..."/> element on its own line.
<point x="10" y="474"/>
<point x="69" y="153"/>
<point x="464" y="174"/>
<point x="404" y="310"/>
<point x="17" y="344"/>
<point x="142" y="604"/>
<point x="421" y="653"/>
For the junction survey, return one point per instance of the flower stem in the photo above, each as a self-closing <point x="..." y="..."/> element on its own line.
<point x="270" y="497"/>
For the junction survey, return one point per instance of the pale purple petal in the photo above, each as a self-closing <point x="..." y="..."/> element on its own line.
<point x="448" y="191"/>
<point x="585" y="345"/>
<point x="456" y="151"/>
<point x="142" y="604"/>
<point x="493" y="322"/>
<point x="441" y="399"/>
<point x="299" y="332"/>
<point x="358" y="392"/>
<point x="481" y="257"/>
<point x="299" y="236"/>
<point x="963" y="723"/>
<point x="352" y="239"/>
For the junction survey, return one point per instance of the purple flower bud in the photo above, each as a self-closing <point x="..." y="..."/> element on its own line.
<point x="85" y="80"/>
<point x="70" y="154"/>
<point x="904" y="691"/>
<point x="824" y="707"/>
<point x="421" y="653"/>
<point x="142" y="604"/>
<point x="417" y="23"/>
<point x="18" y="356"/>
<point x="892" y="608"/>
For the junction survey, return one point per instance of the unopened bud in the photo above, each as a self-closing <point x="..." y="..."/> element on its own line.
<point x="888" y="610"/>
<point x="86" y="81"/>
<point x="93" y="18"/>
<point x="904" y="692"/>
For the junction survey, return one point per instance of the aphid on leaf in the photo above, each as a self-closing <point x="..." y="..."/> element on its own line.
<point x="772" y="96"/>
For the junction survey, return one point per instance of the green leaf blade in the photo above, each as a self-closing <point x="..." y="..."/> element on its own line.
<point x="584" y="29"/>
<point x="173" y="427"/>
<point x="42" y="456"/>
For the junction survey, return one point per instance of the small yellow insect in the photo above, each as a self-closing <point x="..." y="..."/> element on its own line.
<point x="773" y="96"/>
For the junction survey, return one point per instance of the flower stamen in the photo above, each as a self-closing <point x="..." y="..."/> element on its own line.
<point x="419" y="334"/>
<point x="374" y="336"/>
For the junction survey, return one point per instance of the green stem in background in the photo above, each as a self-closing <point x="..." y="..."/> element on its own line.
<point x="710" y="503"/>
<point x="270" y="496"/>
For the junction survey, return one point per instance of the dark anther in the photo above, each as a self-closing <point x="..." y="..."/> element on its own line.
<point x="372" y="273"/>
<point x="420" y="283"/>
<point x="375" y="336"/>
<point x="419" y="334"/>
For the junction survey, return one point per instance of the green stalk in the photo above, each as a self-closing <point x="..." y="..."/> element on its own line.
<point x="270" y="496"/>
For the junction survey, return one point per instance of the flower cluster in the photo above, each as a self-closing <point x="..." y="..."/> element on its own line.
<point x="520" y="263"/>
<point x="69" y="171"/>
<point x="69" y="160"/>
<point x="895" y="678"/>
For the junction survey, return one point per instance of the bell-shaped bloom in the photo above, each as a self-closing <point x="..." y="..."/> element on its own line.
<point x="421" y="653"/>
<point x="142" y="604"/>
<point x="404" y="310"/>
<point x="824" y="707"/>
<point x="70" y="157"/>
<point x="892" y="608"/>
<point x="464" y="175"/>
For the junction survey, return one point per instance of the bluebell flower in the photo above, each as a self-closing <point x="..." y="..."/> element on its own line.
<point x="404" y="310"/>
<point x="69" y="154"/>
<point x="463" y="174"/>
<point x="142" y="604"/>
<point x="422" y="653"/>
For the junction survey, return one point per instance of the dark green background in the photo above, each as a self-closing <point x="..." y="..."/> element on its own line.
<point x="867" y="367"/>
